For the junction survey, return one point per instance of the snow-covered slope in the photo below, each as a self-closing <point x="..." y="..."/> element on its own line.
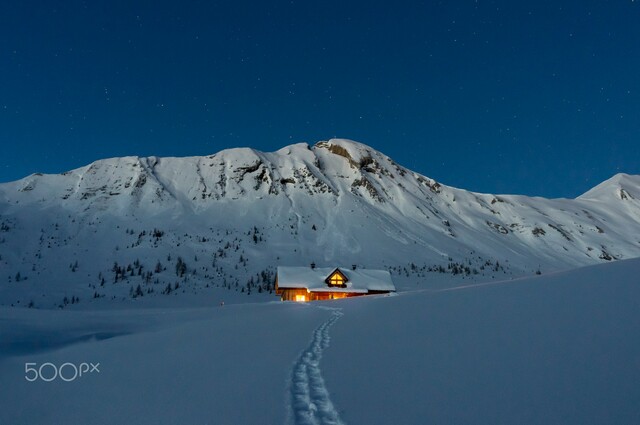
<point x="131" y="227"/>
<point x="559" y="348"/>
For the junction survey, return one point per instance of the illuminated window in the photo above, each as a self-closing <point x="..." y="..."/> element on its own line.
<point x="301" y="298"/>
<point x="336" y="279"/>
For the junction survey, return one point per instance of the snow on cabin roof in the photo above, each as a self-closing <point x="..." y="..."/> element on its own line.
<point x="358" y="281"/>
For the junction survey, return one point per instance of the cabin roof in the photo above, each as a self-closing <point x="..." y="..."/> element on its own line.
<point x="358" y="281"/>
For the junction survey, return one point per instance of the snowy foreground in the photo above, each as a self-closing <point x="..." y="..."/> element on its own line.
<point x="555" y="349"/>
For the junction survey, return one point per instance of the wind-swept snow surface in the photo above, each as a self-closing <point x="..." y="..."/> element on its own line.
<point x="223" y="365"/>
<point x="555" y="349"/>
<point x="559" y="349"/>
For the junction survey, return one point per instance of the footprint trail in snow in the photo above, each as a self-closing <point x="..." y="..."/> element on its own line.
<point x="309" y="398"/>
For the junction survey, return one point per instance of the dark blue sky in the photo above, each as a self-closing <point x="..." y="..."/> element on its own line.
<point x="540" y="98"/>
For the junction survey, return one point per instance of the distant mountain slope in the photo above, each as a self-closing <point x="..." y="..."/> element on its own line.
<point x="104" y="229"/>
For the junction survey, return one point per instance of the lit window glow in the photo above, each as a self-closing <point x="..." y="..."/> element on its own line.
<point x="336" y="280"/>
<point x="301" y="298"/>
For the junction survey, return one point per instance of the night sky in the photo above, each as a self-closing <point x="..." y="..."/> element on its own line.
<point x="537" y="97"/>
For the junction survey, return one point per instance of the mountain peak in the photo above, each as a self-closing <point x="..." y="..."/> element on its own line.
<point x="354" y="151"/>
<point x="619" y="187"/>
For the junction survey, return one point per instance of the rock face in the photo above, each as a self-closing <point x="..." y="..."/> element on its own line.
<point x="338" y="201"/>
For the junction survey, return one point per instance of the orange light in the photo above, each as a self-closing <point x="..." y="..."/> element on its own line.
<point x="301" y="298"/>
<point x="336" y="280"/>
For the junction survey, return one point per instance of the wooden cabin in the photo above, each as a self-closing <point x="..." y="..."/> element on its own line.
<point x="328" y="283"/>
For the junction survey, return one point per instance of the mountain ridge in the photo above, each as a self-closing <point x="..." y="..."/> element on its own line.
<point x="354" y="154"/>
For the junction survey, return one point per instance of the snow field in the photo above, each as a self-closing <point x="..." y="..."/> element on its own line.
<point x="557" y="348"/>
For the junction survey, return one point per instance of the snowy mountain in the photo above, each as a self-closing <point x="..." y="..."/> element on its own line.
<point x="127" y="228"/>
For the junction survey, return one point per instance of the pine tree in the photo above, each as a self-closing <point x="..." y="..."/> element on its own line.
<point x="181" y="267"/>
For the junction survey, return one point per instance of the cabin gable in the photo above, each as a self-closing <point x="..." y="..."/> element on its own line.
<point x="337" y="279"/>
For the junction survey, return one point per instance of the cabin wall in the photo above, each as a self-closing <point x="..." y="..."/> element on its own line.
<point x="319" y="296"/>
<point x="377" y="292"/>
<point x="296" y="294"/>
<point x="290" y="294"/>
